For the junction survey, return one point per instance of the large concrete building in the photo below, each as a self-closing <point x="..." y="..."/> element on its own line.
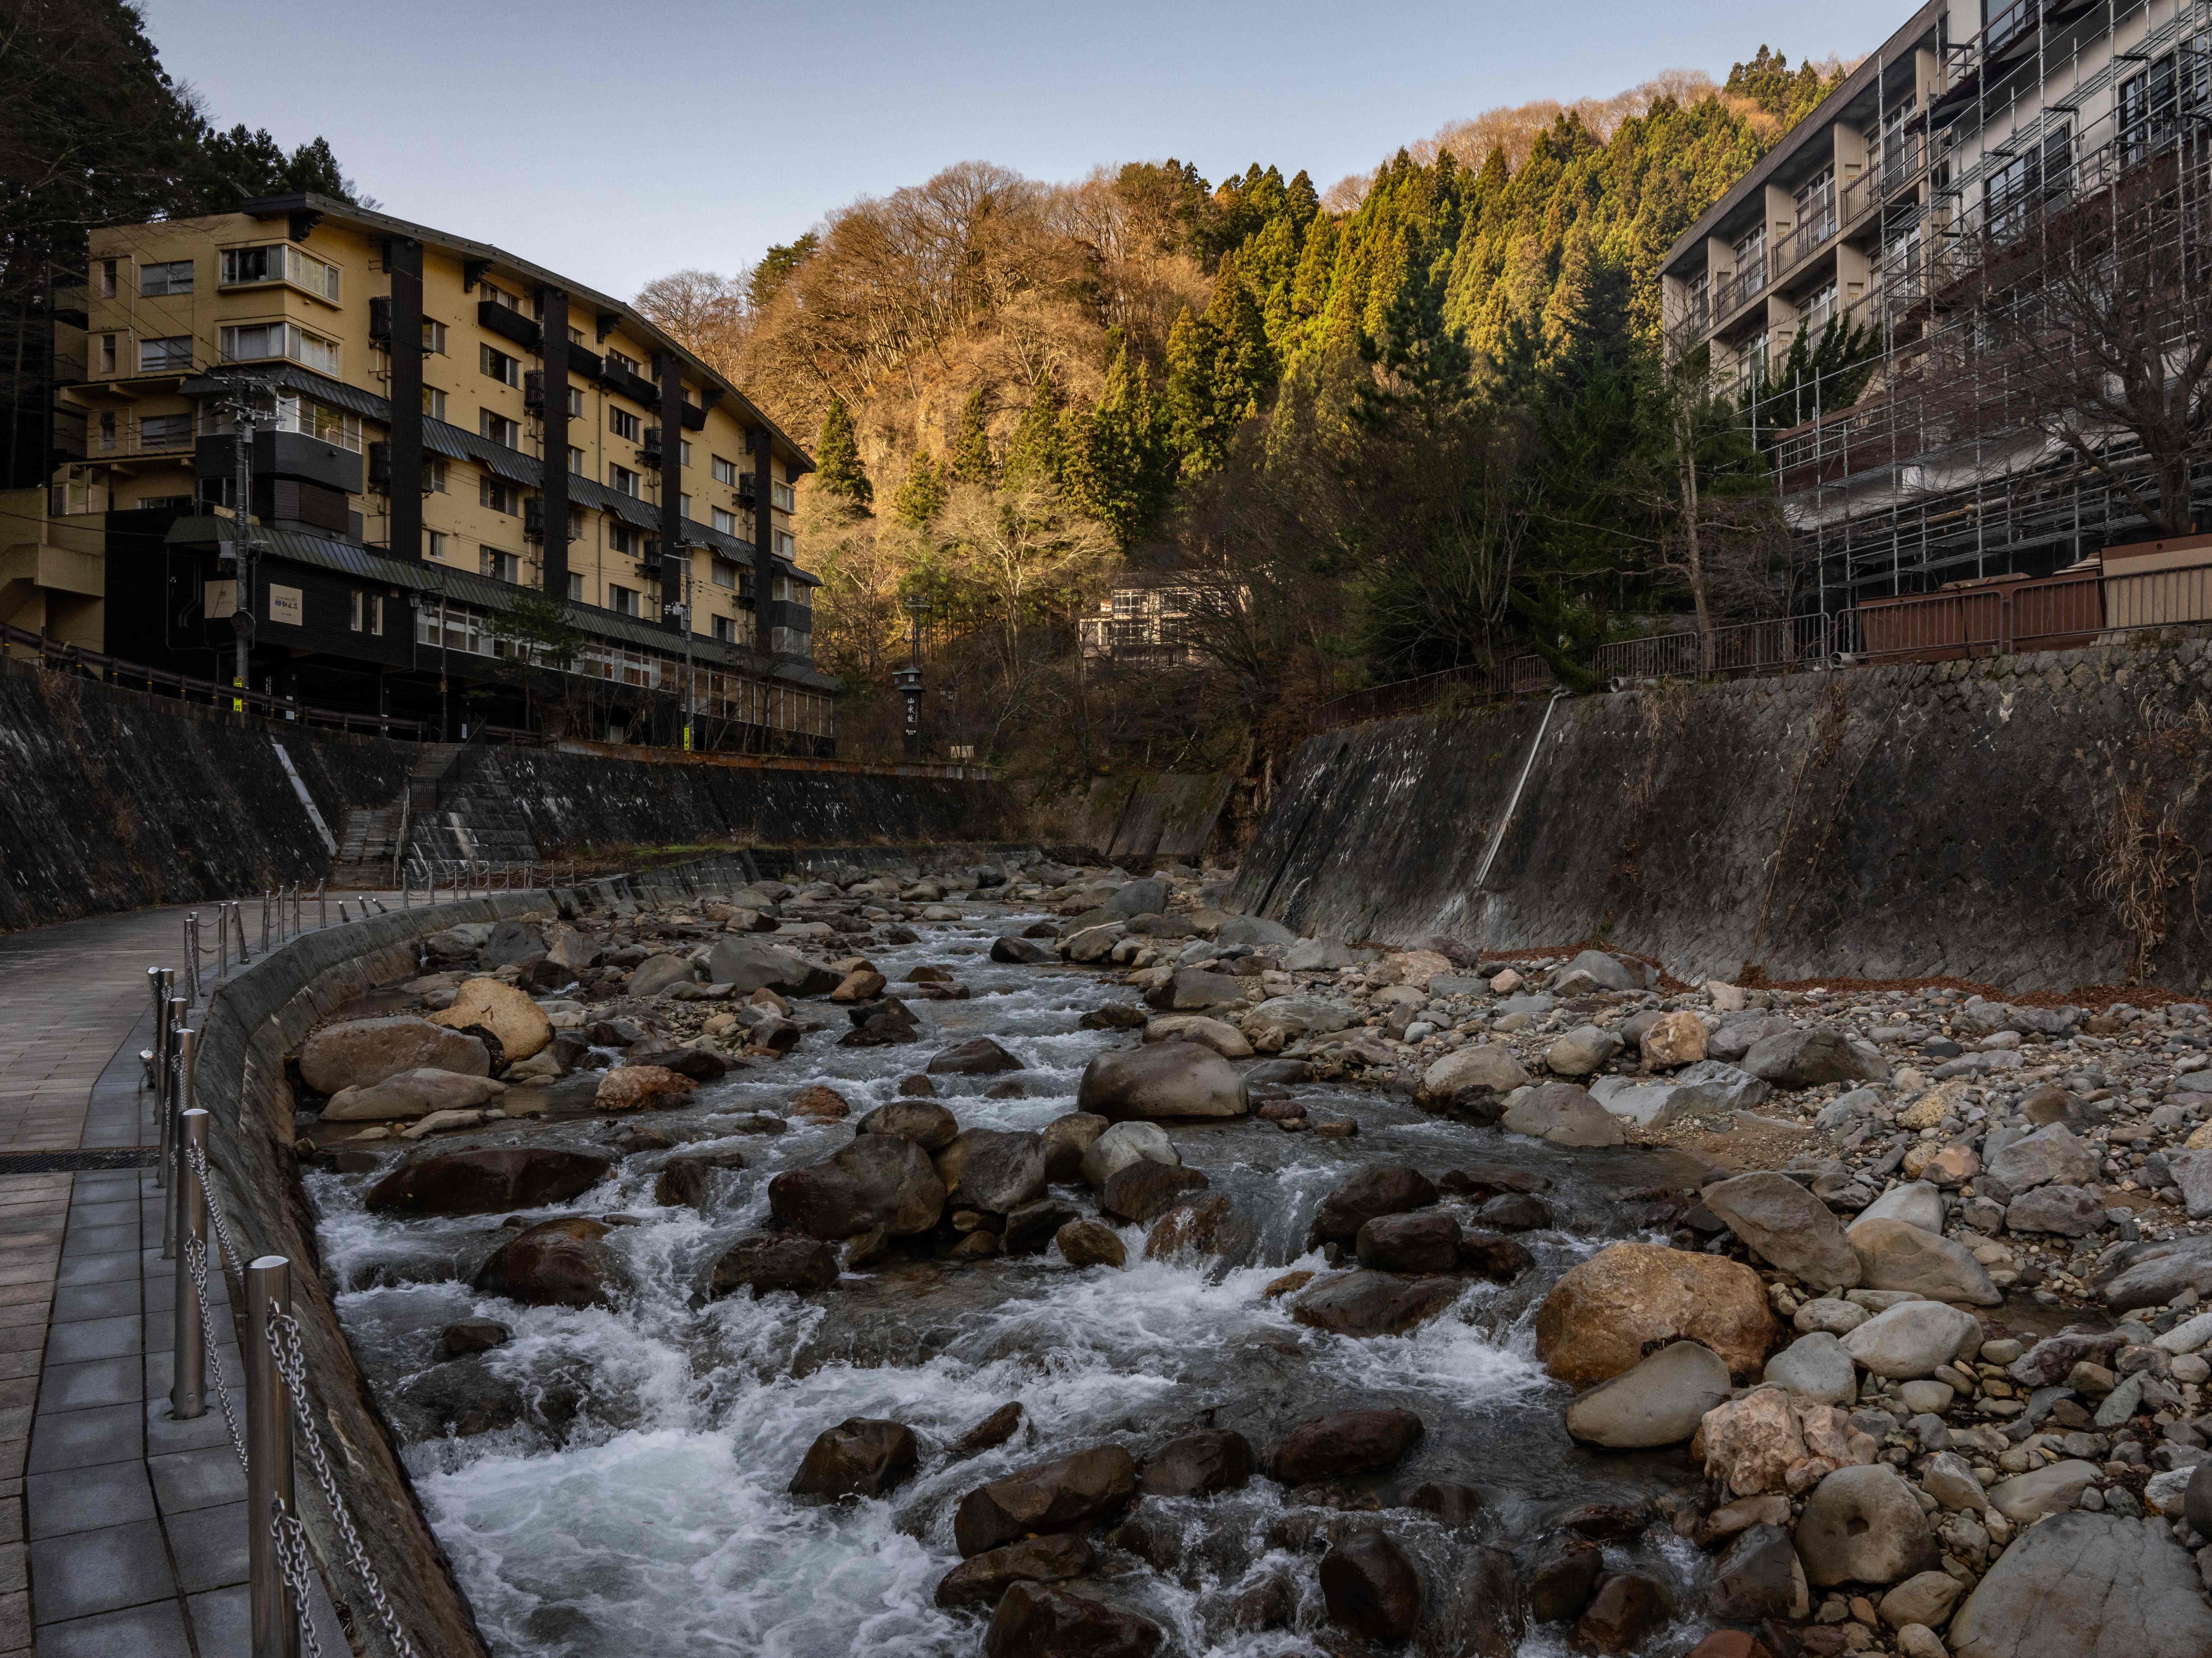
<point x="1978" y="124"/>
<point x="459" y="464"/>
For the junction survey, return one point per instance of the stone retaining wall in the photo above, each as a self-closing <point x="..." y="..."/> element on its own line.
<point x="1921" y="820"/>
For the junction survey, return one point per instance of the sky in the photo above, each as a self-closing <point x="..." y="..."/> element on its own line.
<point x="616" y="141"/>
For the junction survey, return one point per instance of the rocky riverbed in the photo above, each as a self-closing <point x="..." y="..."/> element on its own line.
<point x="1037" y="1260"/>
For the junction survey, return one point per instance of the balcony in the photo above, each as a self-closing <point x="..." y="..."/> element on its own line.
<point x="1689" y="328"/>
<point x="153" y="434"/>
<point x="496" y="318"/>
<point x="1815" y="229"/>
<point x="1731" y="294"/>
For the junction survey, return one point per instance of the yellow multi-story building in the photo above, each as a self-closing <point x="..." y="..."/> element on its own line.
<point x="425" y="415"/>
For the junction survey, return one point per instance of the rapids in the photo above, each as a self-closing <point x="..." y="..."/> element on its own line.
<point x="661" y="1526"/>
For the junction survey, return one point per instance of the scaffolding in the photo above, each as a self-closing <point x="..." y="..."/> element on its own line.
<point x="1941" y="468"/>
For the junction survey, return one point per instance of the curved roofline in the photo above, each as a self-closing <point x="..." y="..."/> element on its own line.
<point x="361" y="218"/>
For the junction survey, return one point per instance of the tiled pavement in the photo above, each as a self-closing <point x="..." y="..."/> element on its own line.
<point x="122" y="1531"/>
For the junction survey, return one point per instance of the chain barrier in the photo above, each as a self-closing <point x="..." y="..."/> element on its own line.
<point x="291" y="1539"/>
<point x="196" y="1263"/>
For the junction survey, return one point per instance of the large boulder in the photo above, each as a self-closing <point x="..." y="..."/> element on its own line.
<point x="1895" y="1254"/>
<point x="1483" y="1612"/>
<point x="1818" y="1367"/>
<point x="1786" y="1226"/>
<point x="1582" y="1052"/>
<point x="1759" y="1576"/>
<point x="926" y="1123"/>
<point x="1070" y="1494"/>
<point x="642" y="1088"/>
<point x="413" y="1094"/>
<point x="2086" y="1586"/>
<point x="1198" y="1465"/>
<point x="1066" y="1140"/>
<point x="1383" y="1188"/>
<point x="1564" y="1114"/>
<point x="1042" y="1620"/>
<point x="1277" y="1023"/>
<point x="1606" y="1312"/>
<point x="2051" y="1155"/>
<point x="2153" y="1272"/>
<point x="555" y="1263"/>
<point x="1659" y="1401"/>
<point x="1192" y="990"/>
<point x="1674" y="1040"/>
<point x="1021" y="952"/>
<point x="1916" y="1203"/>
<point x="1253" y="930"/>
<point x="1424" y="1241"/>
<point x="361" y="1053"/>
<point x="658" y="972"/>
<point x="878" y="1180"/>
<point x="512" y="943"/>
<point x="768" y="1261"/>
<point x="1481" y="1067"/>
<point x="1344" y="1442"/>
<point x="1365" y="1303"/>
<point x="979" y="1056"/>
<point x="859" y="1457"/>
<point x="1909" y="1340"/>
<point x="1144" y="1190"/>
<point x="1606" y="972"/>
<point x="1862" y="1525"/>
<point x="995" y="1170"/>
<point x="749" y="963"/>
<point x="2051" y="1489"/>
<point x="1369" y="1586"/>
<point x="1208" y="1230"/>
<point x="1171" y="1080"/>
<point x="519" y="1023"/>
<point x="1146" y="898"/>
<point x="1124" y="1142"/>
<point x="1226" y="1040"/>
<point x="1806" y="1058"/>
<point x="492" y="1180"/>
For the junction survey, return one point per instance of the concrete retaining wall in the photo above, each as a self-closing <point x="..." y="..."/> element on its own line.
<point x="1955" y="819"/>
<point x="1137" y="822"/>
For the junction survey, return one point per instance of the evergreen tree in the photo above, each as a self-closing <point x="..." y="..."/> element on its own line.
<point x="1221" y="368"/>
<point x="1036" y="455"/>
<point x="777" y="266"/>
<point x="921" y="494"/>
<point x="969" y="459"/>
<point x="1121" y="462"/>
<point x="837" y="468"/>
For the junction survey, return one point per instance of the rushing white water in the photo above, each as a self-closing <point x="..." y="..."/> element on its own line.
<point x="661" y="1525"/>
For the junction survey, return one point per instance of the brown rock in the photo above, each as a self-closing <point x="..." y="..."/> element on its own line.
<point x="519" y="1023"/>
<point x="994" y="1430"/>
<point x="1038" y="1620"/>
<point x="818" y="1102"/>
<point x="555" y="1263"/>
<point x="1346" y="1442"/>
<point x="859" y="1457"/>
<point x="493" y="1179"/>
<point x="1369" y="1586"/>
<point x="361" y="1053"/>
<point x="1674" y="1039"/>
<point x="642" y="1088"/>
<point x="982" y="1580"/>
<point x="1067" y="1495"/>
<point x="1606" y="1312"/>
<point x="767" y="1262"/>
<point x="860" y="984"/>
<point x="1091" y="1243"/>
<point x="1144" y="1189"/>
<point x="1628" y="1607"/>
<point x="1365" y="1303"/>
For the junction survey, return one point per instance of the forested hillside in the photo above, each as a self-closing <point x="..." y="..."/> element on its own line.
<point x="1415" y="424"/>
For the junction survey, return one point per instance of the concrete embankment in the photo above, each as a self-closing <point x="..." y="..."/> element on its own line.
<point x="2033" y="820"/>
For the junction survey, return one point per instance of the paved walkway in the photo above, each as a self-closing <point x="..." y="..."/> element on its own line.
<point x="122" y="1531"/>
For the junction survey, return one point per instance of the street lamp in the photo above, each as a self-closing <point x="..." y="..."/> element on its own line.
<point x="908" y="679"/>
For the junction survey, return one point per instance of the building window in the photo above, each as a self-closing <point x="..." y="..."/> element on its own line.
<point x="107" y="354"/>
<point x="725" y="631"/>
<point x="158" y="280"/>
<point x="576" y="403"/>
<point x="103" y="279"/>
<point x="436" y="540"/>
<point x="500" y="566"/>
<point x="507" y="370"/>
<point x="684" y="451"/>
<point x="280" y="262"/>
<point x="164" y="431"/>
<point x="499" y="496"/>
<point x="683" y="506"/>
<point x="357" y="610"/>
<point x="785" y="546"/>
<point x="433" y="475"/>
<point x="434" y="402"/>
<point x="498" y="428"/>
<point x="623" y="601"/>
<point x="725" y="472"/>
<point x="576" y="460"/>
<point x="724" y="572"/>
<point x="575" y="587"/>
<point x="623" y="540"/>
<point x="1818" y="309"/>
<point x="725" y="521"/>
<point x="501" y="296"/>
<point x="434" y="336"/>
<point x="625" y="425"/>
<point x="628" y="364"/>
<point x="623" y="480"/>
<point x="158" y="356"/>
<point x="782" y="495"/>
<point x="255" y="341"/>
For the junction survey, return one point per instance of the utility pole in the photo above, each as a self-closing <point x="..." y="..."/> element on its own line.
<point x="680" y="613"/>
<point x="908" y="679"/>
<point x="246" y="414"/>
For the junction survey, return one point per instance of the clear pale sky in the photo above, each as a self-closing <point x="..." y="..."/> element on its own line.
<point x="694" y="133"/>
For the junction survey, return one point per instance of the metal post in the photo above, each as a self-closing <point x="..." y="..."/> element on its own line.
<point x="322" y="906"/>
<point x="299" y="918"/>
<point x="238" y="916"/>
<point x="264" y="921"/>
<point x="188" y="1391"/>
<point x="342" y="916"/>
<point x="164" y="982"/>
<point x="433" y="867"/>
<point x="221" y="940"/>
<point x="275" y="1622"/>
<point x="179" y="1090"/>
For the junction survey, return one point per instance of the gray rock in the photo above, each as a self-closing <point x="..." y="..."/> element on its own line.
<point x="1862" y="1525"/>
<point x="2151" y="1275"/>
<point x="748" y="964"/>
<point x="1535" y="1004"/>
<point x="1925" y="1598"/>
<point x="2192" y="1173"/>
<point x="2050" y="1155"/>
<point x="1194" y="990"/>
<point x="1910" y="1340"/>
<point x="1581" y="1051"/>
<point x="412" y="1094"/>
<point x="1253" y="930"/>
<point x="1916" y="1204"/>
<point x="1564" y="1114"/>
<point x="361" y="1053"/>
<point x="2086" y="1586"/>
<point x="1758" y="1578"/>
<point x="1317" y="955"/>
<point x="2069" y="1211"/>
<point x="1817" y="1366"/>
<point x="1898" y="1256"/>
<point x="1950" y="1480"/>
<point x="995" y="1170"/>
<point x="1481" y="1065"/>
<point x="1281" y="1020"/>
<point x="1164" y="1080"/>
<point x="1659" y="1402"/>
<point x="1609" y="972"/>
<point x="1806" y="1058"/>
<point x="2051" y="1490"/>
<point x="1707" y="1085"/>
<point x="1787" y="1226"/>
<point x="1139" y="898"/>
<point x="1123" y="1143"/>
<point x="659" y="972"/>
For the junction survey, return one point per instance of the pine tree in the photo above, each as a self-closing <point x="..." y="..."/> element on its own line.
<point x="921" y="494"/>
<point x="1036" y="455"/>
<point x="1121" y="462"/>
<point x="837" y="468"/>
<point x="969" y="459"/>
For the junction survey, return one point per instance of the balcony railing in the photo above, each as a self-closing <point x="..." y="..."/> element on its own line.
<point x="1813" y="230"/>
<point x="1689" y="328"/>
<point x="141" y="437"/>
<point x="1731" y="292"/>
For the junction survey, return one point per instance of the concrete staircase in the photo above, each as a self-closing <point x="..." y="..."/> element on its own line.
<point x="461" y="808"/>
<point x="368" y="840"/>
